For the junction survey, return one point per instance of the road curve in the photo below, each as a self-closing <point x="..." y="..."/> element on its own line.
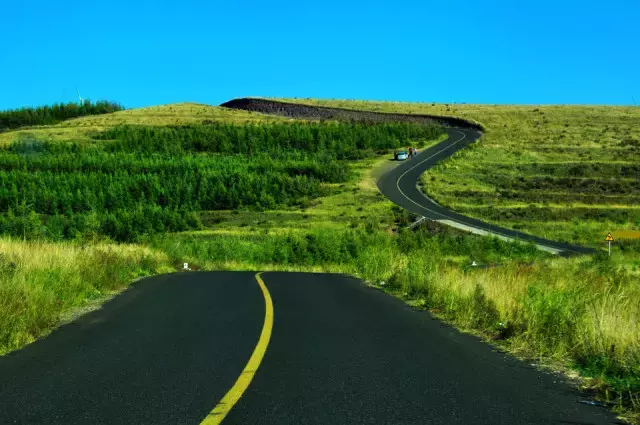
<point x="167" y="350"/>
<point x="171" y="349"/>
<point x="163" y="352"/>
<point x="399" y="184"/>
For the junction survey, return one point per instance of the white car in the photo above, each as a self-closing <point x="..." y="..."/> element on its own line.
<point x="402" y="155"/>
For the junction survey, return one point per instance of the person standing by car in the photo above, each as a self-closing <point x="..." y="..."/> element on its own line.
<point x="410" y="152"/>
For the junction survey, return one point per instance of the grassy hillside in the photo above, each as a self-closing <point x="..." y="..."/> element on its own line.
<point x="580" y="311"/>
<point x="568" y="173"/>
<point x="80" y="129"/>
<point x="132" y="174"/>
<point x="579" y="314"/>
<point x="142" y="179"/>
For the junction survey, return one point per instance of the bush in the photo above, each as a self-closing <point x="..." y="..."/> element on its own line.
<point x="156" y="179"/>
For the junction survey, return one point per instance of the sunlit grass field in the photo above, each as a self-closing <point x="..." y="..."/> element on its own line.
<point x="568" y="173"/>
<point x="582" y="314"/>
<point x="80" y="129"/>
<point x="40" y="282"/>
<point x="33" y="303"/>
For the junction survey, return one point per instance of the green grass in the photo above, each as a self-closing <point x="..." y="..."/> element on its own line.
<point x="42" y="282"/>
<point x="567" y="313"/>
<point x="81" y="129"/>
<point x="131" y="181"/>
<point x="568" y="173"/>
<point x="135" y="180"/>
<point x="562" y="172"/>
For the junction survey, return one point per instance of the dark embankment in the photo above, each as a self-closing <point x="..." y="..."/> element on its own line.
<point x="295" y="110"/>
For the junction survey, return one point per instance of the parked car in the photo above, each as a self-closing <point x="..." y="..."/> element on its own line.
<point x="402" y="155"/>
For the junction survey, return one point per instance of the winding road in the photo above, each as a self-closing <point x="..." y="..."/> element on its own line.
<point x="281" y="348"/>
<point x="400" y="186"/>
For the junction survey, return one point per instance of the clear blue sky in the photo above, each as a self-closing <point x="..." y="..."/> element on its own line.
<point x="152" y="52"/>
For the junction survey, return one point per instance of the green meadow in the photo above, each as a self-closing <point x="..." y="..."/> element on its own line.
<point x="232" y="190"/>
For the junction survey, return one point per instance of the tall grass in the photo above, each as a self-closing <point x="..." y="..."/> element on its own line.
<point x="36" y="290"/>
<point x="581" y="312"/>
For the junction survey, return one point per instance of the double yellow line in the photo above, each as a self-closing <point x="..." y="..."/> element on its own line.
<point x="217" y="415"/>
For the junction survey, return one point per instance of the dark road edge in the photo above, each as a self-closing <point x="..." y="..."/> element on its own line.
<point x="399" y="185"/>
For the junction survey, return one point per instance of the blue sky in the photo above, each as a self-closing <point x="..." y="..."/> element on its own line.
<point x="151" y="52"/>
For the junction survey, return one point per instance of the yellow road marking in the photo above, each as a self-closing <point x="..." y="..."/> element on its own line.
<point x="225" y="405"/>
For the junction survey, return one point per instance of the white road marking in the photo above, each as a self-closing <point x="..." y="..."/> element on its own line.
<point x="450" y="221"/>
<point x="478" y="231"/>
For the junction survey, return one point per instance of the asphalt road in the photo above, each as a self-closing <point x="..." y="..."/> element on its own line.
<point x="168" y="349"/>
<point x="400" y="186"/>
<point x="163" y="352"/>
<point x="173" y="349"/>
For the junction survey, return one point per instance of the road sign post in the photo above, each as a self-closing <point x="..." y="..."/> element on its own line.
<point x="609" y="239"/>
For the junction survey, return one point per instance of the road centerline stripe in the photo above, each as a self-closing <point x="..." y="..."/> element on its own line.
<point x="217" y="415"/>
<point x="417" y="165"/>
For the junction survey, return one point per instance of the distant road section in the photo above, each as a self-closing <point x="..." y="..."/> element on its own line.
<point x="400" y="184"/>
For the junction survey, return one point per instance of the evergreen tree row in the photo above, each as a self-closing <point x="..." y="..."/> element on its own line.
<point x="208" y="189"/>
<point x="323" y="167"/>
<point x="144" y="180"/>
<point x="342" y="140"/>
<point x="48" y="115"/>
<point x="122" y="225"/>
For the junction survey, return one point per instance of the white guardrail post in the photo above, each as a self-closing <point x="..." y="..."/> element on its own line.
<point x="417" y="222"/>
